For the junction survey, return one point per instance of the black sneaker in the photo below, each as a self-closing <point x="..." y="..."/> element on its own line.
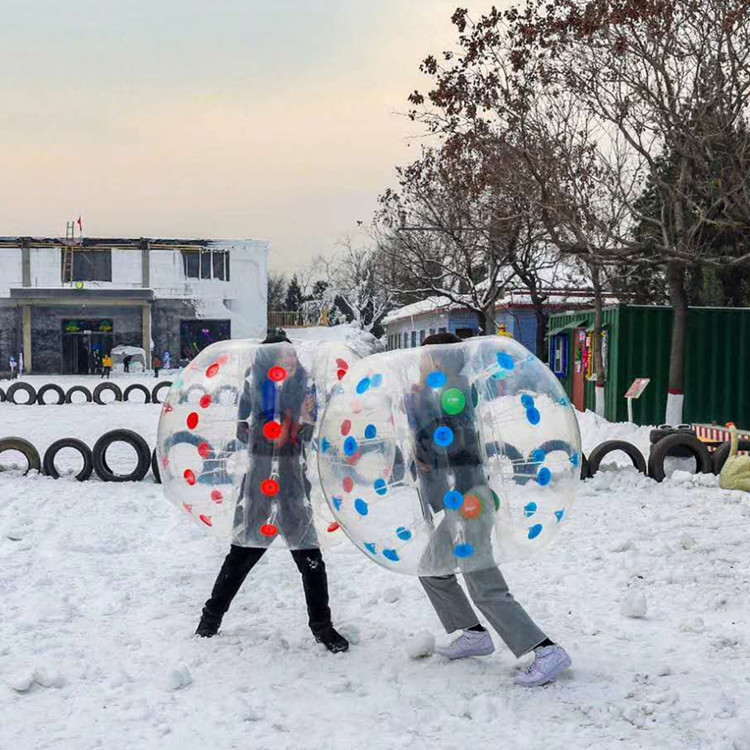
<point x="332" y="640"/>
<point x="208" y="627"/>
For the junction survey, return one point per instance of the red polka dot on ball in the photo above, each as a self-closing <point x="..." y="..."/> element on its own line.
<point x="272" y="430"/>
<point x="217" y="496"/>
<point x="268" y="529"/>
<point x="348" y="484"/>
<point x="206" y="520"/>
<point x="333" y="527"/>
<point x="346" y="427"/>
<point x="204" y="450"/>
<point x="205" y="401"/>
<point x="340" y="374"/>
<point x="213" y="370"/>
<point x="192" y="420"/>
<point x="189" y="476"/>
<point x="269" y="487"/>
<point x="277" y="374"/>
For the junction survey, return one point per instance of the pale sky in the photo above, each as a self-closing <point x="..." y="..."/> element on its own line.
<point x="273" y="119"/>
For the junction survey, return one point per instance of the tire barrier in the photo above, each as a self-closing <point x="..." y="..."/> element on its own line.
<point x="155" y="391"/>
<point x="30" y="453"/>
<point x="664" y="430"/>
<point x="77" y="389"/>
<point x="155" y="467"/>
<point x="50" y="388"/>
<point x="2" y="395"/>
<point x="49" y="458"/>
<point x="133" y="439"/>
<point x="680" y="444"/>
<point x="721" y="454"/>
<point x="610" y="446"/>
<point x="26" y="388"/>
<point x="102" y="387"/>
<point x="137" y="387"/>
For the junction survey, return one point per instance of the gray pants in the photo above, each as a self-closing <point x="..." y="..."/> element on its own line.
<point x="490" y="593"/>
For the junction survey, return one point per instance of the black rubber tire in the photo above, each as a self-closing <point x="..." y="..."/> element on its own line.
<point x="101" y="466"/>
<point x="585" y="469"/>
<point x="107" y="387"/>
<point x="609" y="446"/>
<point x="26" y="388"/>
<point x="46" y="389"/>
<point x="78" y="389"/>
<point x="31" y="454"/>
<point x="49" y="458"/>
<point x="155" y="390"/>
<point x="186" y="395"/>
<point x="137" y="387"/>
<point x="721" y="454"/>
<point x="155" y="467"/>
<point x="686" y="441"/>
<point x="2" y="395"/>
<point x="660" y="432"/>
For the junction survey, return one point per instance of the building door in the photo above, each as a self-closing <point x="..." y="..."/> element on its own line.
<point x="84" y="343"/>
<point x="579" y="371"/>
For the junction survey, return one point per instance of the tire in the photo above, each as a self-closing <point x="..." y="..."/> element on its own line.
<point x="101" y="466"/>
<point x="77" y="389"/>
<point x="155" y="467"/>
<point x="662" y="431"/>
<point x="49" y="458"/>
<point x="2" y="395"/>
<point x="721" y="454"/>
<point x="155" y="391"/>
<point x="107" y="387"/>
<point x="196" y="387"/>
<point x="46" y="389"/>
<point x="137" y="387"/>
<point x="30" y="453"/>
<point x="609" y="446"/>
<point x="585" y="468"/>
<point x="684" y="442"/>
<point x="26" y="388"/>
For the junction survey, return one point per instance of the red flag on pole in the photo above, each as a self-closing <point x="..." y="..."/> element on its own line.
<point x="80" y="224"/>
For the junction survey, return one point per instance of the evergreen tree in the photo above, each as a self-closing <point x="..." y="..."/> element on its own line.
<point x="294" y="297"/>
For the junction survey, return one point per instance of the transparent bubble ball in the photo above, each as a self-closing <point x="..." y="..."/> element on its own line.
<point x="450" y="458"/>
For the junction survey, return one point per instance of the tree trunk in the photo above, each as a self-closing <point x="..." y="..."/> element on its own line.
<point x="542" y="350"/>
<point x="490" y="326"/>
<point x="678" y="300"/>
<point x="601" y="378"/>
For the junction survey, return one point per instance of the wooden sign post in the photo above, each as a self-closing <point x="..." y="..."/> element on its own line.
<point x="635" y="391"/>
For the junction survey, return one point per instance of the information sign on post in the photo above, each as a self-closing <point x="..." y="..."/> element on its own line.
<point x="635" y="391"/>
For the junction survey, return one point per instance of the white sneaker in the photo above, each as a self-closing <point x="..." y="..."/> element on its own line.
<point x="469" y="643"/>
<point x="549" y="663"/>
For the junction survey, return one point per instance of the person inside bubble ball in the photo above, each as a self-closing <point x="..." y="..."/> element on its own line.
<point x="438" y="471"/>
<point x="278" y="458"/>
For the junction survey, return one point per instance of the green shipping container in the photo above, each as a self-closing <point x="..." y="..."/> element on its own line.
<point x="638" y="340"/>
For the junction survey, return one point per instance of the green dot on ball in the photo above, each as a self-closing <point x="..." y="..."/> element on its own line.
<point x="454" y="401"/>
<point x="496" y="500"/>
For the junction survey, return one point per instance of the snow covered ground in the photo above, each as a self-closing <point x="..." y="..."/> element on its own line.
<point x="102" y="585"/>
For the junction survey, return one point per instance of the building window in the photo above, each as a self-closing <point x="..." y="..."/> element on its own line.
<point x="464" y="333"/>
<point x="88" y="265"/>
<point x="560" y="355"/>
<point x="406" y="339"/>
<point x="443" y="329"/>
<point x="432" y="331"/>
<point x="421" y="337"/>
<point x="206" y="264"/>
<point x="413" y="339"/>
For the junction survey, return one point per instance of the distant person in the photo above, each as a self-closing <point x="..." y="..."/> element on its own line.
<point x="167" y="361"/>
<point x="157" y="364"/>
<point x="126" y="362"/>
<point x="106" y="366"/>
<point x="13" y="367"/>
<point x="20" y="364"/>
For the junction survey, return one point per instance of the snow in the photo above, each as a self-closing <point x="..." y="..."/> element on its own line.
<point x="102" y="586"/>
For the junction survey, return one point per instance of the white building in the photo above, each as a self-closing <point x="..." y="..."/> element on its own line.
<point x="63" y="305"/>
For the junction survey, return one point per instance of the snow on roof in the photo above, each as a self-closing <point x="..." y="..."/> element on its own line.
<point x="422" y="307"/>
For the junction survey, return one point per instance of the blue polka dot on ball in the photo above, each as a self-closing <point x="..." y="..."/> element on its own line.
<point x="350" y="446"/>
<point x="443" y="436"/>
<point x="527" y="401"/>
<point x="391" y="555"/>
<point x="463" y="550"/>
<point x="363" y="386"/>
<point x="575" y="459"/>
<point x="506" y="361"/>
<point x="544" y="477"/>
<point x="361" y="507"/>
<point x="377" y="380"/>
<point x="529" y="509"/>
<point x="538" y="456"/>
<point x="535" y="531"/>
<point x="324" y="445"/>
<point x="559" y="515"/>
<point x="370" y="547"/>
<point x="453" y="500"/>
<point x="381" y="487"/>
<point x="403" y="533"/>
<point x="436" y="379"/>
<point x="533" y="415"/>
<point x="336" y="502"/>
<point x="371" y="431"/>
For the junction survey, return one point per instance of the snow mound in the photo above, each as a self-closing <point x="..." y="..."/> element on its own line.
<point x="421" y="645"/>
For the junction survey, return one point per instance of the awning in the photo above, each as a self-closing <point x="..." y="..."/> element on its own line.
<point x="571" y="324"/>
<point x="590" y="327"/>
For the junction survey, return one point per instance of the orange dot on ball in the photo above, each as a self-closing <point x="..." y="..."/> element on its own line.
<point x="472" y="507"/>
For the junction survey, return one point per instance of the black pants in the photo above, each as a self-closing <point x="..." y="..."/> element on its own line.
<point x="241" y="560"/>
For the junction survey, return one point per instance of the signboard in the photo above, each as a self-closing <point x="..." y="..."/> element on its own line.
<point x="637" y="388"/>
